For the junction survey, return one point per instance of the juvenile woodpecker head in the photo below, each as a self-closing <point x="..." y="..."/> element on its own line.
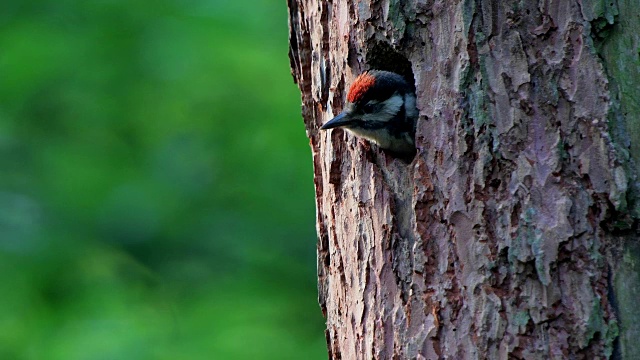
<point x="381" y="107"/>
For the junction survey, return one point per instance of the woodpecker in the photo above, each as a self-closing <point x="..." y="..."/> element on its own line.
<point x="381" y="107"/>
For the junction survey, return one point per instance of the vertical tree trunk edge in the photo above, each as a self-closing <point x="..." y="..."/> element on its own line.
<point x="619" y="50"/>
<point x="430" y="260"/>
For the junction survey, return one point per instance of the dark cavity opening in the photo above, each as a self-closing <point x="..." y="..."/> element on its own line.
<point x="381" y="56"/>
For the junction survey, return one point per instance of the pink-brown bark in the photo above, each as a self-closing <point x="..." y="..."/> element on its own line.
<point x="496" y="241"/>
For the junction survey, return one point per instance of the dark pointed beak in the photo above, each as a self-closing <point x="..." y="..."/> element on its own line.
<point x="341" y="119"/>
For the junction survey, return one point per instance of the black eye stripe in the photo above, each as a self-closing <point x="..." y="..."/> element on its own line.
<point x="371" y="107"/>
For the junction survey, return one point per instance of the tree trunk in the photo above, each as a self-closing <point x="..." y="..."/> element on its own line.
<point x="514" y="231"/>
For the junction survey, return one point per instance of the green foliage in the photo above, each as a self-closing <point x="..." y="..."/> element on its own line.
<point x="156" y="196"/>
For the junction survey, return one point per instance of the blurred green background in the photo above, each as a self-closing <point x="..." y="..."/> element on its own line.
<point x="156" y="195"/>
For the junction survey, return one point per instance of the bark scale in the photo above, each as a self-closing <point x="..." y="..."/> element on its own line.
<point x="514" y="231"/>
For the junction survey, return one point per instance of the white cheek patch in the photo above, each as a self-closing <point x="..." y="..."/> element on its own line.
<point x="393" y="104"/>
<point x="410" y="105"/>
<point x="390" y="108"/>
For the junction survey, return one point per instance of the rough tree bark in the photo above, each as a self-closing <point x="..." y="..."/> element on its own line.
<point x="514" y="231"/>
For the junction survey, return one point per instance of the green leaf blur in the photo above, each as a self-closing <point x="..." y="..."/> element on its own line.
<point x="156" y="194"/>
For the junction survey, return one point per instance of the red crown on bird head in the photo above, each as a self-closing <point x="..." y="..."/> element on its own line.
<point x="360" y="86"/>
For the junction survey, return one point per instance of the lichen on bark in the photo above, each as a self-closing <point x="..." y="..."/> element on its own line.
<point x="503" y="237"/>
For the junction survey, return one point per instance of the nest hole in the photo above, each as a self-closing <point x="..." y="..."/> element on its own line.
<point x="381" y="56"/>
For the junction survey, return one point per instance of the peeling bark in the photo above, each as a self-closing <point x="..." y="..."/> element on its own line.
<point x="514" y="231"/>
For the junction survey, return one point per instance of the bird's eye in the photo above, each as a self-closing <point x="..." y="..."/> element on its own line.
<point x="369" y="108"/>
